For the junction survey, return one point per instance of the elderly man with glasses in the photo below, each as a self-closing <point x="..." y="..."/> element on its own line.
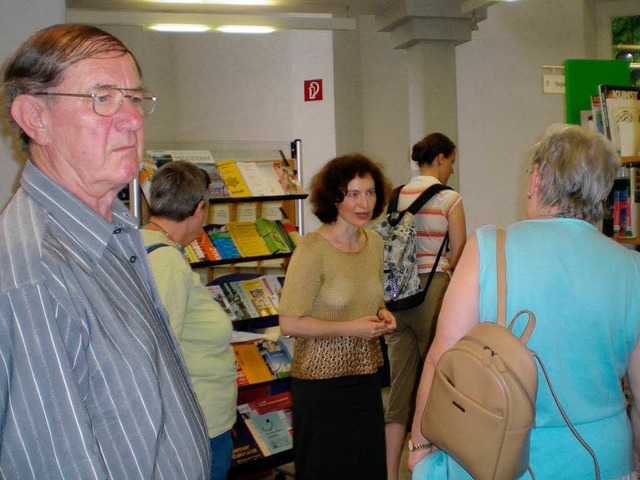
<point x="92" y="384"/>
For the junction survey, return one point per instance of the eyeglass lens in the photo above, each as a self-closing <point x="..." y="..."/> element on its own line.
<point x="107" y="101"/>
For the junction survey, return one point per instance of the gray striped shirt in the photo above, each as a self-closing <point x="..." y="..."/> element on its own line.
<point x="92" y="383"/>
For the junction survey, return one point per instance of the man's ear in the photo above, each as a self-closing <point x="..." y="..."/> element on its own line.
<point x="29" y="113"/>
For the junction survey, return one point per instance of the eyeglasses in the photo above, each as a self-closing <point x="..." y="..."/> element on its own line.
<point x="108" y="100"/>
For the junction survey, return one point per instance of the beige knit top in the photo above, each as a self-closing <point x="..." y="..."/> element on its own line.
<point x="332" y="285"/>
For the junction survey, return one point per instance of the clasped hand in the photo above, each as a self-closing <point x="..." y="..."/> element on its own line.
<point x="373" y="326"/>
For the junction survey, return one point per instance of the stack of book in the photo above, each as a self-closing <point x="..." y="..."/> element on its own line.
<point x="247" y="299"/>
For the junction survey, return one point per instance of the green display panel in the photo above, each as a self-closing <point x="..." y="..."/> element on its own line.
<point x="582" y="78"/>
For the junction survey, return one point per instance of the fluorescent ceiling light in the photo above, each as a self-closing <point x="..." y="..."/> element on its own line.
<point x="245" y="29"/>
<point x="148" y="18"/>
<point x="220" y="2"/>
<point x="179" y="27"/>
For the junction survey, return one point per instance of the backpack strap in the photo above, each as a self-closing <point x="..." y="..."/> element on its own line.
<point x="502" y="277"/>
<point x="410" y="301"/>
<point x="393" y="200"/>
<point x="425" y="196"/>
<point x="154" y="246"/>
<point x="417" y="204"/>
<point x="501" y="320"/>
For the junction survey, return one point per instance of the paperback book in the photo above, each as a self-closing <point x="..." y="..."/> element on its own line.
<point x="277" y="357"/>
<point x="233" y="178"/>
<point x="250" y="361"/>
<point x="619" y="104"/>
<point x="269" y="421"/>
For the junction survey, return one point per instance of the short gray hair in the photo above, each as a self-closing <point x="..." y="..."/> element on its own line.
<point x="176" y="190"/>
<point x="577" y="169"/>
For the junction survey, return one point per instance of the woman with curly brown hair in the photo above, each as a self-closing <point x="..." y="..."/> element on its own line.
<point x="332" y="302"/>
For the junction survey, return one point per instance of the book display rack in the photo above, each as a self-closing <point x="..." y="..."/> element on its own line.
<point x="255" y="220"/>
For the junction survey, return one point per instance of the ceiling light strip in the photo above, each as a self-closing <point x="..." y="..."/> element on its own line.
<point x="298" y="22"/>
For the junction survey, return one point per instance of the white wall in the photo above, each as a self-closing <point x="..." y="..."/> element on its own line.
<point x="231" y="88"/>
<point x="26" y="17"/>
<point x="218" y="90"/>
<point x="501" y="107"/>
<point x="385" y="108"/>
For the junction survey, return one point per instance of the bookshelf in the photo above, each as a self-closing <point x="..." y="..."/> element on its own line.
<point x="630" y="160"/>
<point x="254" y="451"/>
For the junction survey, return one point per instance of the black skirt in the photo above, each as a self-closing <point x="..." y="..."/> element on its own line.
<point x="338" y="428"/>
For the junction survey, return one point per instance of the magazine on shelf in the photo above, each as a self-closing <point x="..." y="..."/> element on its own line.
<point x="245" y="447"/>
<point x="259" y="184"/>
<point x="619" y="104"/>
<point x="273" y="285"/>
<point x="258" y="297"/>
<point x="190" y="253"/>
<point x="218" y="295"/>
<point x="217" y="187"/>
<point x="233" y="178"/>
<point x="276" y="354"/>
<point x="160" y="157"/>
<point x="203" y="241"/>
<point x="247" y="240"/>
<point x="287" y="179"/>
<point x="247" y="302"/>
<point x="273" y="236"/>
<point x="269" y="421"/>
<point x="235" y="301"/>
<point x="222" y="241"/>
<point x="251" y="362"/>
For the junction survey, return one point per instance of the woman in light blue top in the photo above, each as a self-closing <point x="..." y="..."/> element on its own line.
<point x="585" y="291"/>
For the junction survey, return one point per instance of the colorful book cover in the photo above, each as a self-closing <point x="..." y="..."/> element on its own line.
<point x="274" y="295"/>
<point x="190" y="253"/>
<point x="288" y="179"/>
<point x="222" y="241"/>
<point x="277" y="357"/>
<point x="273" y="428"/>
<point x="247" y="303"/>
<point x="272" y="236"/>
<point x="217" y="294"/>
<point x="230" y="293"/>
<point x="251" y="362"/>
<point x="233" y="178"/>
<point x="619" y="104"/>
<point x="291" y="230"/>
<point x="269" y="420"/>
<point x="197" y="250"/>
<point x="206" y="246"/>
<point x="247" y="240"/>
<point x="245" y="448"/>
<point x="275" y="283"/>
<point x="259" y="297"/>
<point x="255" y="179"/>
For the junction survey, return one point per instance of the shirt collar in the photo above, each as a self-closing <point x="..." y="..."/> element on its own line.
<point x="90" y="229"/>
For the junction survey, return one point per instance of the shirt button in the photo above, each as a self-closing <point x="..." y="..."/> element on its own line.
<point x="117" y="231"/>
<point x="133" y="259"/>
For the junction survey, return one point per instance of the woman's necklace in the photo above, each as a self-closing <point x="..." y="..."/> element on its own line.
<point x="556" y="215"/>
<point x="160" y="229"/>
